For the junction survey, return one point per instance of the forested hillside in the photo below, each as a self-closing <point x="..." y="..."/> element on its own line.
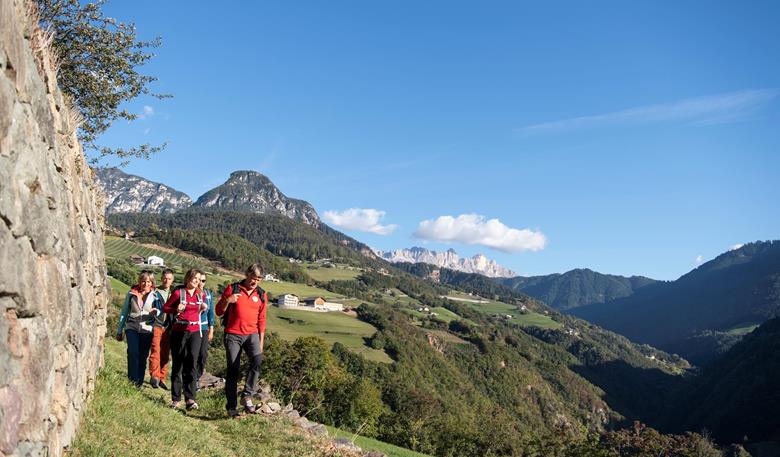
<point x="578" y="287"/>
<point x="738" y="289"/>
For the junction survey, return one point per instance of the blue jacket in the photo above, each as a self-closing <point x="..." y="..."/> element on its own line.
<point x="207" y="317"/>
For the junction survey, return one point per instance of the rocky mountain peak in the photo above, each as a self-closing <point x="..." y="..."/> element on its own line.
<point x="127" y="193"/>
<point x="247" y="190"/>
<point x="448" y="259"/>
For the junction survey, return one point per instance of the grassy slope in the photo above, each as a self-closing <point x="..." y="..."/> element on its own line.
<point x="331" y="327"/>
<point x="123" y="420"/>
<point x="372" y="444"/>
<point x="323" y="274"/>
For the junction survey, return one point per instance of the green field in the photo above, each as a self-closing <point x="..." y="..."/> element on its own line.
<point x="332" y="327"/>
<point x="325" y="274"/>
<point x="122" y="420"/>
<point x="119" y="248"/>
<point x="369" y="444"/>
<point x="301" y="290"/>
<point x="529" y="318"/>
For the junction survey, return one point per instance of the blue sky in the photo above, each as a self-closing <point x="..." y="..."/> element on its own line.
<point x="626" y="137"/>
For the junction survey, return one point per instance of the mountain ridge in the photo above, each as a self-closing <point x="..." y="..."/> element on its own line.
<point x="478" y="263"/>
<point x="244" y="190"/>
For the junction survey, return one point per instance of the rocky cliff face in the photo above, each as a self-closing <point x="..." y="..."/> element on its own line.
<point x="53" y="288"/>
<point x="251" y="191"/>
<point x="126" y="193"/>
<point x="449" y="259"/>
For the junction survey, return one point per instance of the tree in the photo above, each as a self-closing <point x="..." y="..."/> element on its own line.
<point x="98" y="59"/>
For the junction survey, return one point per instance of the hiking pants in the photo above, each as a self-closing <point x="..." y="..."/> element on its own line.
<point x="204" y="353"/>
<point x="185" y="347"/>
<point x="233" y="346"/>
<point x="160" y="353"/>
<point x="138" y="344"/>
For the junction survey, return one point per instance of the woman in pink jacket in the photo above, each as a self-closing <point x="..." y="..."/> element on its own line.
<point x="186" y="305"/>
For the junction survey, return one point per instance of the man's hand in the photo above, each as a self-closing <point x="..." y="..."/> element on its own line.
<point x="154" y="312"/>
<point x="233" y="298"/>
<point x="119" y="337"/>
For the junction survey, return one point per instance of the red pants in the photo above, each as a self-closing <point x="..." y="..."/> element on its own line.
<point x="159" y="354"/>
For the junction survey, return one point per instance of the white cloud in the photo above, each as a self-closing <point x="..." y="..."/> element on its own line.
<point x="361" y="219"/>
<point x="712" y="109"/>
<point x="148" y="112"/>
<point x="699" y="259"/>
<point x="476" y="229"/>
<point x="736" y="246"/>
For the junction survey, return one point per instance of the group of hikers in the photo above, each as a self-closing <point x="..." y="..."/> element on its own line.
<point x="177" y="323"/>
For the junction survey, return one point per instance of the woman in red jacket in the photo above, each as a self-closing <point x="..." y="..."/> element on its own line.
<point x="185" y="304"/>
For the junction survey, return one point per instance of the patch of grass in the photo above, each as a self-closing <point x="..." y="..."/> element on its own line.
<point x="370" y="444"/>
<point x="332" y="327"/>
<point x="529" y="318"/>
<point x="324" y="274"/>
<point x="301" y="290"/>
<point x="444" y="314"/>
<point x="123" y="420"/>
<point x="742" y="329"/>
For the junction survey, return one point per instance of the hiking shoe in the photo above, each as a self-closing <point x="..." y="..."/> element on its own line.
<point x="175" y="404"/>
<point x="192" y="405"/>
<point x="249" y="406"/>
<point x="233" y="413"/>
<point x="154" y="382"/>
<point x="162" y="385"/>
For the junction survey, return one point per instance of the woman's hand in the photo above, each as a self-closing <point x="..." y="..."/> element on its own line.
<point x="119" y="337"/>
<point x="211" y="334"/>
<point x="181" y="307"/>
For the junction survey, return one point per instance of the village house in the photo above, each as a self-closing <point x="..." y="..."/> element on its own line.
<point x="156" y="261"/>
<point x="270" y="278"/>
<point x="136" y="259"/>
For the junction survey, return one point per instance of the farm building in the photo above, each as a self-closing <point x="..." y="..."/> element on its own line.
<point x="314" y="301"/>
<point x="136" y="259"/>
<point x="287" y="300"/>
<point x="154" y="260"/>
<point x="270" y="277"/>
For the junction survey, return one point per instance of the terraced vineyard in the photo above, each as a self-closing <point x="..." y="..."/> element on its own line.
<point x="119" y="248"/>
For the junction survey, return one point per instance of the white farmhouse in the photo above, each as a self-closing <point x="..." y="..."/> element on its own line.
<point x="330" y="306"/>
<point x="287" y="300"/>
<point x="270" y="277"/>
<point x="154" y="260"/>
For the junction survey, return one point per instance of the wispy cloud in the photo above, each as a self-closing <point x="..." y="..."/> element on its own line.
<point x="712" y="109"/>
<point x="147" y="112"/>
<point x="736" y="246"/>
<point x="476" y="229"/>
<point x="361" y="219"/>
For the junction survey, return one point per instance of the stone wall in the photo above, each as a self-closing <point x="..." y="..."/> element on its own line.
<point x="53" y="287"/>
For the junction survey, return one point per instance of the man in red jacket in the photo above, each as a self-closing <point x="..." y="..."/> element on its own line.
<point x="244" y="305"/>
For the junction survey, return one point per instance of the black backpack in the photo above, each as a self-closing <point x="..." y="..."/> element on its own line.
<point x="233" y="288"/>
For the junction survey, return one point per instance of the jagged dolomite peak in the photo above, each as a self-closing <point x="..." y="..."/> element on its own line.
<point x="126" y="193"/>
<point x="449" y="259"/>
<point x="251" y="191"/>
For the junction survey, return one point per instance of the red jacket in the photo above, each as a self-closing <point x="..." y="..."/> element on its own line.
<point x="189" y="319"/>
<point x="247" y="315"/>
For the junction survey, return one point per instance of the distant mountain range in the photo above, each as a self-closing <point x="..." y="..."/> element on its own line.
<point x="245" y="191"/>
<point x="448" y="259"/>
<point x="728" y="294"/>
<point x="579" y="287"/>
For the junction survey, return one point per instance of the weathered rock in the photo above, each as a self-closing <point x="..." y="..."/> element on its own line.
<point x="53" y="286"/>
<point x="265" y="409"/>
<point x="209" y="381"/>
<point x="292" y="414"/>
<point x="275" y="407"/>
<point x="374" y="454"/>
<point x="317" y="429"/>
<point x="346" y="444"/>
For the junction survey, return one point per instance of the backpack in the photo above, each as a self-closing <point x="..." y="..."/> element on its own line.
<point x="233" y="288"/>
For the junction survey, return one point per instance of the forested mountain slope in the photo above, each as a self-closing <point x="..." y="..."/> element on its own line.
<point x="738" y="288"/>
<point x="578" y="287"/>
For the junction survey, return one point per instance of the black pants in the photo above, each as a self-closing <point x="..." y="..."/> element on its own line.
<point x="233" y="346"/>
<point x="185" y="349"/>
<point x="204" y="354"/>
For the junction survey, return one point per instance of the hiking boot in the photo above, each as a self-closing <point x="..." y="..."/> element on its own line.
<point x="175" y="404"/>
<point x="249" y="406"/>
<point x="154" y="382"/>
<point x="191" y="405"/>
<point x="233" y="413"/>
<point x="162" y="385"/>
